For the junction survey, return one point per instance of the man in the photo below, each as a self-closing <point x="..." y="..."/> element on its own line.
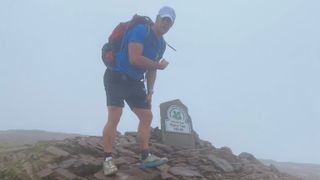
<point x="139" y="59"/>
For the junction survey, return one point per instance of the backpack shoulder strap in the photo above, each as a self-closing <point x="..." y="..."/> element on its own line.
<point x="148" y="33"/>
<point x="134" y="22"/>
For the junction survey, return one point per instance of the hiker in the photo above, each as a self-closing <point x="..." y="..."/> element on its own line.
<point x="132" y="79"/>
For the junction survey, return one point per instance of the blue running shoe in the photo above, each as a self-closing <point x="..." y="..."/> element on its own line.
<point x="153" y="161"/>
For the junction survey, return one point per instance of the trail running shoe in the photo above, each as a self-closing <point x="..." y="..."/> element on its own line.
<point x="153" y="161"/>
<point x="109" y="168"/>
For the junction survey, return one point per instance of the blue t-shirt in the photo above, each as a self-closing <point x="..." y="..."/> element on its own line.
<point x="153" y="48"/>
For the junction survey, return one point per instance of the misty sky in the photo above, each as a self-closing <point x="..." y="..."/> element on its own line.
<point x="247" y="70"/>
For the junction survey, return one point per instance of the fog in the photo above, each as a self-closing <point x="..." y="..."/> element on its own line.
<point x="248" y="71"/>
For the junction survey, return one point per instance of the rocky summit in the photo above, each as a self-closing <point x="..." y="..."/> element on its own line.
<point x="81" y="158"/>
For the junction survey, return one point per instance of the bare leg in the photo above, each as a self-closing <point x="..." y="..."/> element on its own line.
<point x="145" y="117"/>
<point x="110" y="129"/>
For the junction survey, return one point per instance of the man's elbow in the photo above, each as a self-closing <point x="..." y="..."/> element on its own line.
<point x="133" y="60"/>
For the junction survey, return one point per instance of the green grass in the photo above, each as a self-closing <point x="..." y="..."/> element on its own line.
<point x="7" y="145"/>
<point x="9" y="174"/>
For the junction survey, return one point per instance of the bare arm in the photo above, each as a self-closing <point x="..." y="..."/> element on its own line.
<point x="137" y="59"/>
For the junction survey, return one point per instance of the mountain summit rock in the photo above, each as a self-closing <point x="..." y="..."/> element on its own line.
<point x="81" y="158"/>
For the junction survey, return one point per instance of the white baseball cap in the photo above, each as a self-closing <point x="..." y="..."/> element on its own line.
<point x="167" y="11"/>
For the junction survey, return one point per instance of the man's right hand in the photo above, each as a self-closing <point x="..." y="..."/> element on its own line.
<point x="163" y="64"/>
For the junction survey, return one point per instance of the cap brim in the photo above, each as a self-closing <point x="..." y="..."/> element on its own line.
<point x="167" y="15"/>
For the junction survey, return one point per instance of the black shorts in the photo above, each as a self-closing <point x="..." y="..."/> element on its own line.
<point x="120" y="87"/>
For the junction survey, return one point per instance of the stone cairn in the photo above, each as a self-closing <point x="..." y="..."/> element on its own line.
<point x="81" y="158"/>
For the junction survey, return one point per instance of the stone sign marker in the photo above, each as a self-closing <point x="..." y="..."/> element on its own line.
<point x="176" y="125"/>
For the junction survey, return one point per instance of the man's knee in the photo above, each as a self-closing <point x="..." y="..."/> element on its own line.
<point x="114" y="114"/>
<point x="148" y="115"/>
<point x="144" y="115"/>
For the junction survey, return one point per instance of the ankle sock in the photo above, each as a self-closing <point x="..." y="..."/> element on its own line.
<point x="107" y="156"/>
<point x="144" y="154"/>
